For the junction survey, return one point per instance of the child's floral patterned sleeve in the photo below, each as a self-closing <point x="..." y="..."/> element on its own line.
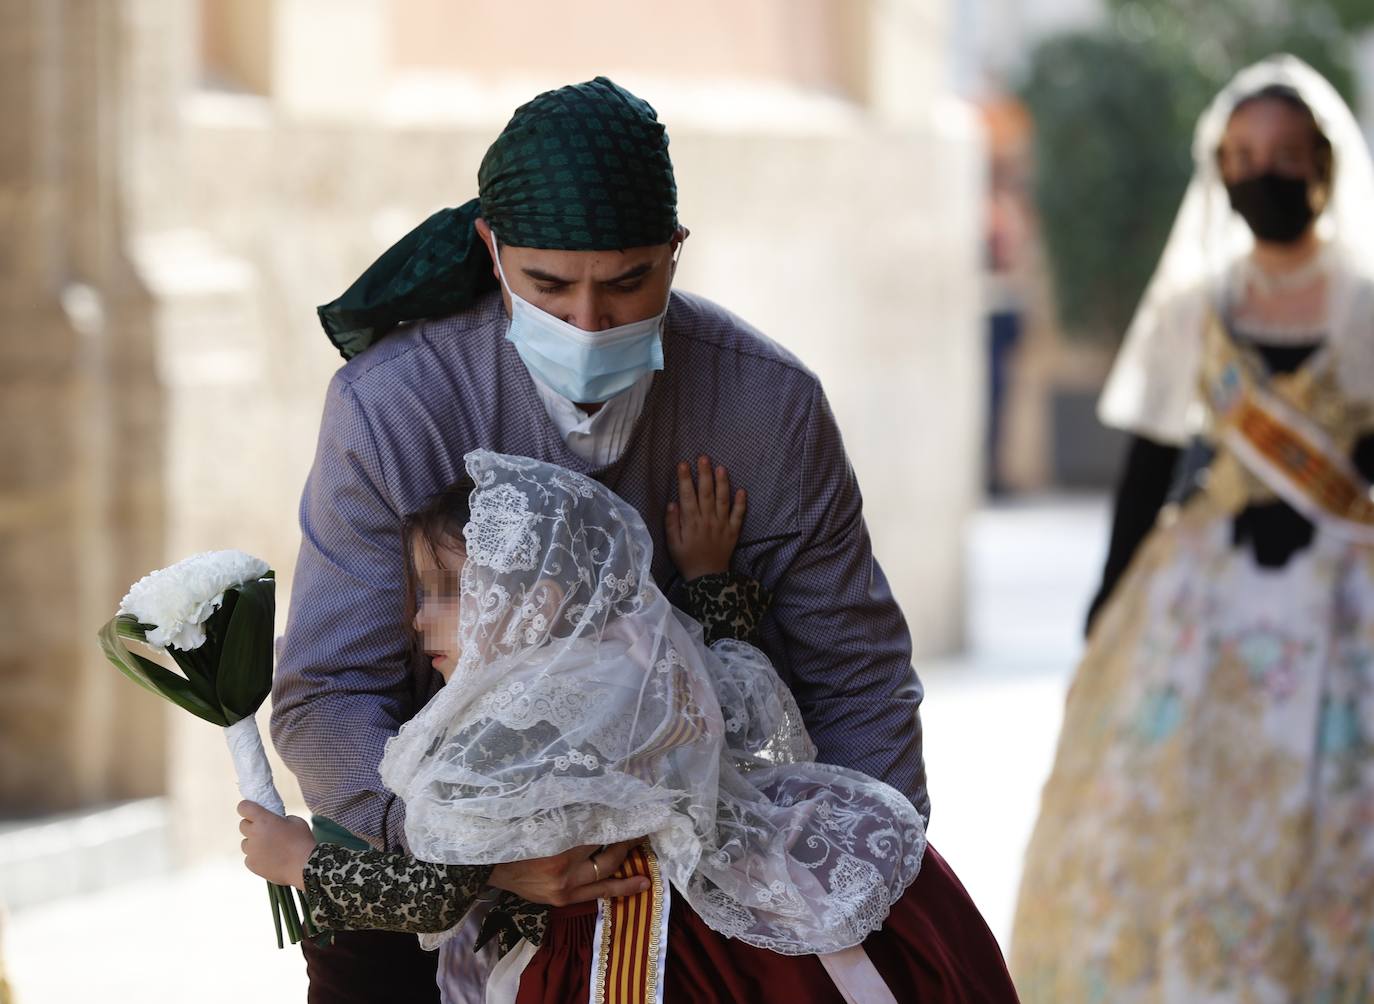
<point x="727" y="605"/>
<point x="350" y="890"/>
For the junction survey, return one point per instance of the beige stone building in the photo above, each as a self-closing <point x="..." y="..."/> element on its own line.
<point x="182" y="182"/>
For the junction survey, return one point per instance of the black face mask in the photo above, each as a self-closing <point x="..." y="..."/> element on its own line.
<point x="1276" y="207"/>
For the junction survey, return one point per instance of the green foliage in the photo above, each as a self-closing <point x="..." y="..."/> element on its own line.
<point x="1114" y="111"/>
<point x="240" y="685"/>
<point x="1353" y="15"/>
<point x="149" y="675"/>
<point x="1106" y="187"/>
<point x="224" y="680"/>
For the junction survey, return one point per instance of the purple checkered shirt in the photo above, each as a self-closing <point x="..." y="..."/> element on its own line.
<point x="398" y="420"/>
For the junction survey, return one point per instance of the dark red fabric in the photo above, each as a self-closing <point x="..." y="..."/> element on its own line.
<point x="935" y="947"/>
<point x="371" y="967"/>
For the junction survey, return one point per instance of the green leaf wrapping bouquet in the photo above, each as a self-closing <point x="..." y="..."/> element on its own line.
<point x="213" y="614"/>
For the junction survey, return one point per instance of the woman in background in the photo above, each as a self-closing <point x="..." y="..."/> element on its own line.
<point x="1205" y="834"/>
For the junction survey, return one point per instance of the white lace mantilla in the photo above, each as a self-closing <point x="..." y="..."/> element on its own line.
<point x="585" y="710"/>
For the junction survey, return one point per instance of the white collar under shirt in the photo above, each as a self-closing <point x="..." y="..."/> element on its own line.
<point x="598" y="439"/>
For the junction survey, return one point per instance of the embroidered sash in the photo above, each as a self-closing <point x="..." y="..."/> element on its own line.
<point x="1290" y="454"/>
<point x="631" y="939"/>
<point x="631" y="947"/>
<point x="681" y="728"/>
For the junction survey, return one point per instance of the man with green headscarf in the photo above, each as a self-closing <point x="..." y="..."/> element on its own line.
<point x="539" y="320"/>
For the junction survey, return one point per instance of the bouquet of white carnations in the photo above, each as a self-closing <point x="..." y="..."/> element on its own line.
<point x="213" y="614"/>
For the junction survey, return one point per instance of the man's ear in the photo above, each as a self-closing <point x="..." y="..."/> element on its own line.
<point x="675" y="243"/>
<point x="484" y="231"/>
<point x="489" y="239"/>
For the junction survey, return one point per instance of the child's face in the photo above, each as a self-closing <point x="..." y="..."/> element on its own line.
<point x="438" y="573"/>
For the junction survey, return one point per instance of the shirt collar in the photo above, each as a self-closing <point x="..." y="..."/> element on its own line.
<point x="569" y="418"/>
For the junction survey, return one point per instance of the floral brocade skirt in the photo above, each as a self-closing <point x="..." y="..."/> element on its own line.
<point x="934" y="946"/>
<point x="1207" y="831"/>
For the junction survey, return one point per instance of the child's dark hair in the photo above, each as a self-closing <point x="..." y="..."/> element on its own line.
<point x="438" y="523"/>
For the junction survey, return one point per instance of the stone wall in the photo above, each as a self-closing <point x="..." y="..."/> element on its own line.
<point x="80" y="463"/>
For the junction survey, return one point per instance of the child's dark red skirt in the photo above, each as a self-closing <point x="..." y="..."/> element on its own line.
<point x="935" y="946"/>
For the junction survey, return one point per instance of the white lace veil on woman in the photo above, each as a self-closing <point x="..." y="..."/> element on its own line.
<point x="1152" y="389"/>
<point x="585" y="709"/>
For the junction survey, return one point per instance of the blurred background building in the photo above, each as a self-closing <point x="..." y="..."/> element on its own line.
<point x="947" y="208"/>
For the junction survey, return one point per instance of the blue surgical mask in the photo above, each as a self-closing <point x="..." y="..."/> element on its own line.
<point x="584" y="366"/>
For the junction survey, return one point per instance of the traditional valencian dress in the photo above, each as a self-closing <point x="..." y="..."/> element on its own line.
<point x="1207" y="831"/>
<point x="584" y="710"/>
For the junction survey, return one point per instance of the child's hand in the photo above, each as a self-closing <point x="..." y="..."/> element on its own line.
<point x="275" y="847"/>
<point x="703" y="525"/>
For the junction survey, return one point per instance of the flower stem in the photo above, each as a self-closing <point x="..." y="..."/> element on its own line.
<point x="288" y="905"/>
<point x="309" y="926"/>
<point x="276" y="913"/>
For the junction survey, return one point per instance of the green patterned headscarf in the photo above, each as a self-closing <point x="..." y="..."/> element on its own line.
<point x="582" y="168"/>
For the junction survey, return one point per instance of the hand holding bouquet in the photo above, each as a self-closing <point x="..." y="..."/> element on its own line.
<point x="213" y="614"/>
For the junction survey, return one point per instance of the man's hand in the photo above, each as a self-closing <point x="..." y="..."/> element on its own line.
<point x="703" y="526"/>
<point x="275" y="847"/>
<point x="575" y="876"/>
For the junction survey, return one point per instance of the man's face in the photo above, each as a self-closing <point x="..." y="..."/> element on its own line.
<point x="592" y="290"/>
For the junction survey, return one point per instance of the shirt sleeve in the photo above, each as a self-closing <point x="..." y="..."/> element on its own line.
<point x="837" y="631"/>
<point x="344" y="684"/>
<point x="1141" y="493"/>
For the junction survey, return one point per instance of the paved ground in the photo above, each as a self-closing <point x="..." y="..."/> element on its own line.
<point x="991" y="717"/>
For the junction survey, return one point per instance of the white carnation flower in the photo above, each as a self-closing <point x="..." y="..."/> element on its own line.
<point x="179" y="599"/>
